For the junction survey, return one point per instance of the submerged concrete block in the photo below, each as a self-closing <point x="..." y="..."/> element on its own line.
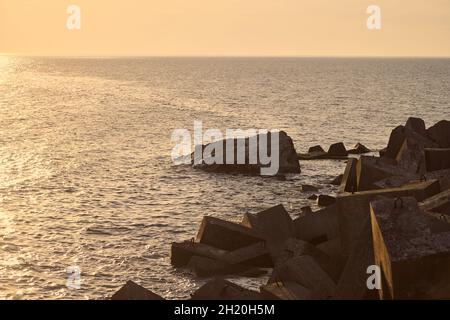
<point x="285" y="291"/>
<point x="309" y="188"/>
<point x="337" y="181"/>
<point x="133" y="291"/>
<point x="437" y="159"/>
<point x="181" y="253"/>
<point x="413" y="260"/>
<point x="325" y="200"/>
<point x="226" y="235"/>
<point x="220" y="289"/>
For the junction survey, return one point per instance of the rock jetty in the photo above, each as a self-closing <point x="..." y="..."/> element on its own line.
<point x="392" y="212"/>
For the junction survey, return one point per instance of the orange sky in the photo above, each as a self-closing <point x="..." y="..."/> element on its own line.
<point x="226" y="27"/>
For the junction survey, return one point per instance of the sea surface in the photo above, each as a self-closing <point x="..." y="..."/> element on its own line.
<point x="86" y="176"/>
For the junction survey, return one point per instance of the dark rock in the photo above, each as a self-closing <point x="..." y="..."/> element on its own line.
<point x="288" y="160"/>
<point x="133" y="291"/>
<point x="220" y="289"/>
<point x="325" y="200"/>
<point x="309" y="188"/>
<point x="337" y="150"/>
<point x="226" y="235"/>
<point x="359" y="149"/>
<point x="337" y="181"/>
<point x="440" y="133"/>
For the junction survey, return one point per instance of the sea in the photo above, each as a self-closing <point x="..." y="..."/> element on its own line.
<point x="87" y="181"/>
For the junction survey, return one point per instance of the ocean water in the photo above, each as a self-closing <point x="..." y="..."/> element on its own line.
<point x="86" y="177"/>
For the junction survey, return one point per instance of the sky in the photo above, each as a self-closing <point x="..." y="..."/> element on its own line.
<point x="226" y="28"/>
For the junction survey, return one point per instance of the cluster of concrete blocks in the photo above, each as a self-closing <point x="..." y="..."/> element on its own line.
<point x="336" y="151"/>
<point x="392" y="211"/>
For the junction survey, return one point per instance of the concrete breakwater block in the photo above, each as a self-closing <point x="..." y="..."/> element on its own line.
<point x="337" y="150"/>
<point x="206" y="260"/>
<point x="354" y="209"/>
<point x="133" y="291"/>
<point x="337" y="181"/>
<point x="287" y="290"/>
<point x="256" y="255"/>
<point x="325" y="200"/>
<point x="319" y="226"/>
<point x="226" y="235"/>
<point x="206" y="267"/>
<point x="295" y="248"/>
<point x="309" y="188"/>
<point x="274" y="225"/>
<point x="305" y="271"/>
<point x="370" y="170"/>
<point x="440" y="133"/>
<point x="439" y="203"/>
<point x="413" y="260"/>
<point x="359" y="149"/>
<point x="349" y="181"/>
<point x="437" y="159"/>
<point x="220" y="289"/>
<point x="181" y="253"/>
<point x="352" y="282"/>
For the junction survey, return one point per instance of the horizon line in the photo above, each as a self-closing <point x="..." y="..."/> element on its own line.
<point x="218" y="56"/>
